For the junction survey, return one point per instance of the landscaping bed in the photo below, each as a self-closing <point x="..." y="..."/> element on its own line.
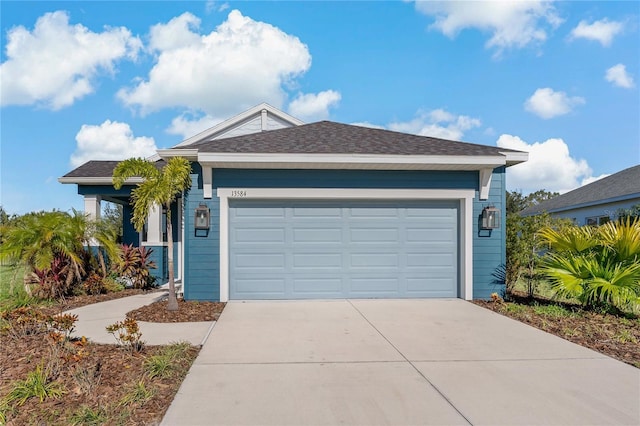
<point x="188" y="311"/>
<point x="98" y="384"/>
<point x="614" y="335"/>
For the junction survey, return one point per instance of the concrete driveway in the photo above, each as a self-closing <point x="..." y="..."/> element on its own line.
<point x="396" y="362"/>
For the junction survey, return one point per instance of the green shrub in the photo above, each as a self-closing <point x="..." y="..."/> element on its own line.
<point x="554" y="311"/>
<point x="86" y="415"/>
<point x="111" y="285"/>
<point x="138" y="394"/>
<point x="36" y="385"/>
<point x="167" y="362"/>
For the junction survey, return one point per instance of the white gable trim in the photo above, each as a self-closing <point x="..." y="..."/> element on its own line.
<point x="255" y="112"/>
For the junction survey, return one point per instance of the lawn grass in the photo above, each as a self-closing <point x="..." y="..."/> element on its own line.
<point x="12" y="293"/>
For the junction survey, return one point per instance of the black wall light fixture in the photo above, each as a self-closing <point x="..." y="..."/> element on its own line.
<point x="202" y="218"/>
<point x="490" y="218"/>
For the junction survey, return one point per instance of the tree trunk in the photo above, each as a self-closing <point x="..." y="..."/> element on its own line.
<point x="172" y="304"/>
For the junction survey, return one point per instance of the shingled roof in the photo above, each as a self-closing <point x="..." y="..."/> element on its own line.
<point x="617" y="187"/>
<point x="326" y="137"/>
<point x="97" y="169"/>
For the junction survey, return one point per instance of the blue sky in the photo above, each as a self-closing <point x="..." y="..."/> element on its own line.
<point x="110" y="80"/>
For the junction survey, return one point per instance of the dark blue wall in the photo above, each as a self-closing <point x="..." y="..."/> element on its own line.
<point x="202" y="253"/>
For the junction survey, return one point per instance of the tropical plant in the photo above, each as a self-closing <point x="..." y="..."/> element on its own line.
<point x="134" y="265"/>
<point x="597" y="266"/>
<point x="53" y="246"/>
<point x="160" y="187"/>
<point x="127" y="333"/>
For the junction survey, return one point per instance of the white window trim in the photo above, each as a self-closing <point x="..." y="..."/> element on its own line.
<point x="464" y="196"/>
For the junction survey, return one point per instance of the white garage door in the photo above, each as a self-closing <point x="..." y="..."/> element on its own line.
<point x="342" y="249"/>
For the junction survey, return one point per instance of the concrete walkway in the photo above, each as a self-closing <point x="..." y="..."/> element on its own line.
<point x="93" y="320"/>
<point x="396" y="362"/>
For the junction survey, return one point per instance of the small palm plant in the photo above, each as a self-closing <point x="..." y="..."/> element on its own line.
<point x="595" y="265"/>
<point x="159" y="187"/>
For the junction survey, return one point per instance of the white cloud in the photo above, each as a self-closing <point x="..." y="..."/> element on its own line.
<point x="238" y="65"/>
<point x="591" y="179"/>
<point x="619" y="76"/>
<point x="314" y="107"/>
<point x="187" y="125"/>
<point x="111" y="140"/>
<point x="546" y="103"/>
<point x="437" y="123"/>
<point x="512" y="24"/>
<point x="550" y="166"/>
<point x="175" y="34"/>
<point x="367" y="124"/>
<point x="56" y="63"/>
<point x="602" y="31"/>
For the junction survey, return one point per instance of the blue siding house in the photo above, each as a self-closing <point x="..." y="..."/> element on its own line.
<point x="279" y="209"/>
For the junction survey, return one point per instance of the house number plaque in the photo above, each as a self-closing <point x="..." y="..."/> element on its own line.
<point x="238" y="193"/>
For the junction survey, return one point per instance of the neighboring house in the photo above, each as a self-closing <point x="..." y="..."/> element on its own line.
<point x="597" y="202"/>
<point x="324" y="210"/>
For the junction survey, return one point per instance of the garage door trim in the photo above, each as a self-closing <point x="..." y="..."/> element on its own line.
<point x="464" y="196"/>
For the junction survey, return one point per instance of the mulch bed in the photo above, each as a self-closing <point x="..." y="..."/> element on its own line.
<point x="112" y="370"/>
<point x="612" y="335"/>
<point x="188" y="311"/>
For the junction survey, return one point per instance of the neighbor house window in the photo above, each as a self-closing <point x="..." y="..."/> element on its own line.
<point x="597" y="220"/>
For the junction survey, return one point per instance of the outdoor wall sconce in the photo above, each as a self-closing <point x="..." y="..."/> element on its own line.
<point x="490" y="218"/>
<point x="202" y="218"/>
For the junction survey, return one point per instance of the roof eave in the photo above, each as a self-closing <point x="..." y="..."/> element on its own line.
<point x="188" y="153"/>
<point x="96" y="180"/>
<point x="351" y="161"/>
<point x="562" y="209"/>
<point x="515" y="157"/>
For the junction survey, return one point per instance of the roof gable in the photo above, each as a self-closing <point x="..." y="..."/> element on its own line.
<point x="257" y="119"/>
<point x="619" y="186"/>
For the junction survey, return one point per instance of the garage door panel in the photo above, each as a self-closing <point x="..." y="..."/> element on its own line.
<point x="260" y="286"/>
<point x="430" y="234"/>
<point x="373" y="235"/>
<point x="362" y="286"/>
<point x="249" y="261"/>
<point x="317" y="260"/>
<point x="260" y="212"/>
<point x="259" y="235"/>
<point x="331" y="249"/>
<point x="374" y="260"/>
<point x="323" y="213"/>
<point x="317" y="235"/>
<point x="364" y="213"/>
<point x="428" y="260"/>
<point x="318" y="286"/>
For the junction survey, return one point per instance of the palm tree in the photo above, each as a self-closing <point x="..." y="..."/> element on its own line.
<point x="160" y="187"/>
<point x="595" y="265"/>
<point x="38" y="239"/>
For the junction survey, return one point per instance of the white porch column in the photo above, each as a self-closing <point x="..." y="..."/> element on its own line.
<point x="92" y="206"/>
<point x="154" y="225"/>
<point x="92" y="209"/>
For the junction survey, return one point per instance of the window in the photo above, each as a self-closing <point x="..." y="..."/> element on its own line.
<point x="597" y="220"/>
